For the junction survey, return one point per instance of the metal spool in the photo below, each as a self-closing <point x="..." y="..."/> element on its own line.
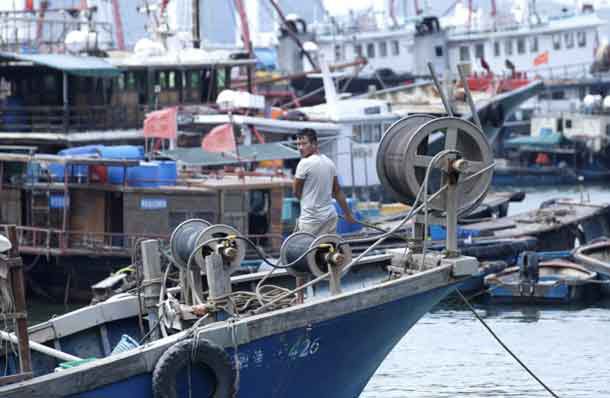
<point x="184" y="239"/>
<point x="405" y="152"/>
<point x="316" y="261"/>
<point x="232" y="250"/>
<point x="191" y="233"/>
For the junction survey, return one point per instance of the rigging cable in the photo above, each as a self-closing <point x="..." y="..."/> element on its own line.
<point x="471" y="308"/>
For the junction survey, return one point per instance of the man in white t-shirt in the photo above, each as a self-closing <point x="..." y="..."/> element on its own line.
<point x="315" y="185"/>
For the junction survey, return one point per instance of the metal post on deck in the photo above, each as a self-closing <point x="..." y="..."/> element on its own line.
<point x="66" y="101"/>
<point x="18" y="285"/>
<point x="151" y="265"/>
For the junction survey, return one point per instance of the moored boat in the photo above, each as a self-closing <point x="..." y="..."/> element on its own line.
<point x="595" y="256"/>
<point x="553" y="282"/>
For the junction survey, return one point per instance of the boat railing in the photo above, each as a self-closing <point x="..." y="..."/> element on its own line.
<point x="36" y="240"/>
<point x="61" y="119"/>
<point x="21" y="31"/>
<point x="56" y="242"/>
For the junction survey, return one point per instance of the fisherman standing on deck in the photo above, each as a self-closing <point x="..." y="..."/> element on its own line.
<point x="315" y="185"/>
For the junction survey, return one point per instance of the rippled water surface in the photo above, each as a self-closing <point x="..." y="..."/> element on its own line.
<point x="449" y="353"/>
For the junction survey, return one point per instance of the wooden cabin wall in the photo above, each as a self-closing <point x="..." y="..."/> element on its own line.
<point x="125" y="95"/>
<point x="275" y="215"/>
<point x="10" y="206"/>
<point x="158" y="213"/>
<point x="87" y="211"/>
<point x="234" y="207"/>
<point x="171" y="83"/>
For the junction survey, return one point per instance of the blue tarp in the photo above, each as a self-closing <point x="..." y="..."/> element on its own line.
<point x="73" y="64"/>
<point x="266" y="58"/>
<point x="546" y="138"/>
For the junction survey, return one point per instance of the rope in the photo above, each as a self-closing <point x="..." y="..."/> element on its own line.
<point x="471" y="308"/>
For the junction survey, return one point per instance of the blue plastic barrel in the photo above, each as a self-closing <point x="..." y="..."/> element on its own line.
<point x="78" y="171"/>
<point x="167" y="172"/>
<point x="116" y="174"/>
<point x="144" y="175"/>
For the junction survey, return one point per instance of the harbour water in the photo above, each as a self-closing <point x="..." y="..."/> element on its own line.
<point x="449" y="353"/>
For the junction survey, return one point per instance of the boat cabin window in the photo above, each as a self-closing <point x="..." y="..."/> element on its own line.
<point x="569" y="39"/>
<point x="508" y="47"/>
<point x="559" y="125"/>
<point x="367" y="133"/>
<point x="383" y="49"/>
<point x="557" y="42"/>
<point x="221" y="79"/>
<point x="568" y="123"/>
<point x="581" y="37"/>
<point x="395" y="47"/>
<point x="438" y="50"/>
<point x="464" y="53"/>
<point x="370" y="50"/>
<point x="50" y="83"/>
<point x="338" y="52"/>
<point x="521" y="45"/>
<point x="534" y="44"/>
<point x="358" y="50"/>
<point x="479" y="50"/>
<point x="496" y="48"/>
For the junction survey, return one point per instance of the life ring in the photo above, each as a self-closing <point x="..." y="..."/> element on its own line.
<point x="200" y="352"/>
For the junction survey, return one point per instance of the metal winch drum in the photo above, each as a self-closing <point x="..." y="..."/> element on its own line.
<point x="331" y="248"/>
<point x="407" y="149"/>
<point x="190" y="234"/>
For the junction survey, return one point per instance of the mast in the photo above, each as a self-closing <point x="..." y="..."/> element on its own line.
<point x="245" y="35"/>
<point x="493" y="13"/>
<point x="195" y="23"/>
<point x="44" y="5"/>
<point x="118" y="24"/>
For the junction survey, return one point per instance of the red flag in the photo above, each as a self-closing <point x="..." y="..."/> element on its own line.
<point x="542" y="58"/>
<point x="161" y="124"/>
<point x="220" y="139"/>
<point x="29" y="5"/>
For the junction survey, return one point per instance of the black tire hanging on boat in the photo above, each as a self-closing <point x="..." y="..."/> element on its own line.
<point x="200" y="352"/>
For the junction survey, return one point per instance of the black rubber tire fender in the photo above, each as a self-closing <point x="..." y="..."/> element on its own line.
<point x="201" y="352"/>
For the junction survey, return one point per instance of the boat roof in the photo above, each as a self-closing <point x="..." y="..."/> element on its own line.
<point x="573" y="22"/>
<point x="351" y="109"/>
<point x="185" y="58"/>
<point x="270" y="125"/>
<point x="247" y="153"/>
<point x="73" y="64"/>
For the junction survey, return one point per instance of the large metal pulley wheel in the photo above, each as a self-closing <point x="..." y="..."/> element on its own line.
<point x="407" y="150"/>
<point x="200" y="235"/>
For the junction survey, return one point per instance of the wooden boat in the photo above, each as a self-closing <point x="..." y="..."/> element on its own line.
<point x="554" y="281"/>
<point x="595" y="257"/>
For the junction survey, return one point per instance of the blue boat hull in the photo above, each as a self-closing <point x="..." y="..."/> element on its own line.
<point x="335" y="358"/>
<point x="301" y="352"/>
